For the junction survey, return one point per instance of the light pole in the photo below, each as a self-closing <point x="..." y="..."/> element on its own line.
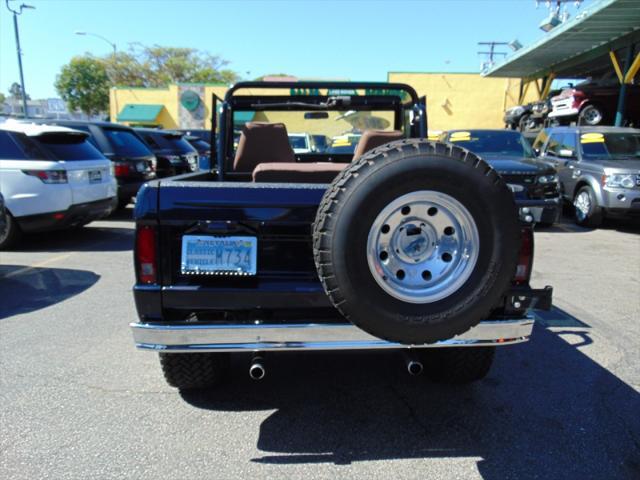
<point x="113" y="46"/>
<point x="19" y="51"/>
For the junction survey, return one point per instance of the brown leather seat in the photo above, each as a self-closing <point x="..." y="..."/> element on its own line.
<point x="262" y="142"/>
<point x="321" y="172"/>
<point x="374" y="138"/>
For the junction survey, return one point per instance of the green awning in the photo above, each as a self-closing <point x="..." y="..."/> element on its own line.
<point x="139" y="112"/>
<point x="240" y="118"/>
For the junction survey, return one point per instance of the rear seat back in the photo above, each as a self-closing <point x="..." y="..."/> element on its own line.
<point x="374" y="138"/>
<point x="262" y="143"/>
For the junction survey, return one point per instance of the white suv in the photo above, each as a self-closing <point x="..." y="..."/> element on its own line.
<point x="51" y="177"/>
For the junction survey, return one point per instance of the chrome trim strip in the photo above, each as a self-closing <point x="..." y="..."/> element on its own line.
<point x="311" y="336"/>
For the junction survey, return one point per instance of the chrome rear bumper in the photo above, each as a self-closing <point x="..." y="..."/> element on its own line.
<point x="313" y="336"/>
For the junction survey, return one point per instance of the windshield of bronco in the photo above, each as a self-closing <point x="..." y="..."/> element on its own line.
<point x="323" y="123"/>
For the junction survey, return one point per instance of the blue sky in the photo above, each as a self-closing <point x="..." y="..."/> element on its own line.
<point x="358" y="40"/>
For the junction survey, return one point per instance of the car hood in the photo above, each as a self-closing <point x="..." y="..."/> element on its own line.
<point x="632" y="165"/>
<point x="517" y="165"/>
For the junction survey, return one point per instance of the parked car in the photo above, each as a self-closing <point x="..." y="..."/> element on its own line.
<point x="402" y="244"/>
<point x="134" y="163"/>
<point x="512" y="156"/>
<point x="51" y="177"/>
<point x="301" y="143"/>
<point x="174" y="154"/>
<point x="204" y="151"/>
<point x="594" y="103"/>
<point x="537" y="117"/>
<point x="599" y="169"/>
<point x="513" y="116"/>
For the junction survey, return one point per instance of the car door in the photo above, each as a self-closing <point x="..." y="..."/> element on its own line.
<point x="562" y="165"/>
<point x="570" y="165"/>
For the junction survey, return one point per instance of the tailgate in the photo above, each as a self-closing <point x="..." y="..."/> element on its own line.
<point x="279" y="216"/>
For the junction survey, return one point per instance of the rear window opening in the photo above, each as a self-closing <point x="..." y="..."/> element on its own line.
<point x="169" y="141"/>
<point x="62" y="147"/>
<point x="126" y="143"/>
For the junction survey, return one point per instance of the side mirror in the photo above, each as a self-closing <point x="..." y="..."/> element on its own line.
<point x="566" y="153"/>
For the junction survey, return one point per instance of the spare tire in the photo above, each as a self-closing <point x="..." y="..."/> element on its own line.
<point x="416" y="241"/>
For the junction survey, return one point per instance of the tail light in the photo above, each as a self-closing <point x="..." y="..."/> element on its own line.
<point x="525" y="258"/>
<point x="122" y="169"/>
<point x="146" y="254"/>
<point x="48" y="176"/>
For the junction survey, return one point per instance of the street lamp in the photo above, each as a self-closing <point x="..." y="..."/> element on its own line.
<point x="113" y="46"/>
<point x="19" y="51"/>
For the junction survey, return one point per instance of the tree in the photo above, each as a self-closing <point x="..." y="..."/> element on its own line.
<point x="158" y="66"/>
<point x="2" y="99"/>
<point x="15" y="92"/>
<point x="84" y="85"/>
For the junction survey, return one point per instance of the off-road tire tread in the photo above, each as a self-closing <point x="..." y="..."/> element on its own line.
<point x="193" y="371"/>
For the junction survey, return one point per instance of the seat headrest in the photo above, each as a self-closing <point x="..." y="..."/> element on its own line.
<point x="374" y="138"/>
<point x="262" y="142"/>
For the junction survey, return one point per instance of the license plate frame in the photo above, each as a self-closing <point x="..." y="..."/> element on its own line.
<point x="95" y="176"/>
<point x="219" y="255"/>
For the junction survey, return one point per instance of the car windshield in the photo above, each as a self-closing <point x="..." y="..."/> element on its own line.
<point x="298" y="141"/>
<point x="68" y="147"/>
<point x="494" y="143"/>
<point x="200" y="145"/>
<point x="169" y="141"/>
<point x="610" y="146"/>
<point x="126" y="143"/>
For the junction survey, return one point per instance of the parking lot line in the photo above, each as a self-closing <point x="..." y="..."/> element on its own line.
<point x="37" y="265"/>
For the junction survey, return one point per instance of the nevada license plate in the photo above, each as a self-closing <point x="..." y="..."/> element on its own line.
<point x="95" y="176"/>
<point x="207" y="255"/>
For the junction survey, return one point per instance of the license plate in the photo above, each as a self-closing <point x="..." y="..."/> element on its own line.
<point x="207" y="255"/>
<point x="95" y="176"/>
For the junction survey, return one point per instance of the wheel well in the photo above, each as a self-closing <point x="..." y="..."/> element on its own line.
<point x="579" y="185"/>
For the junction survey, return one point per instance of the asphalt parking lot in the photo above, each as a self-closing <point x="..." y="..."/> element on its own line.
<point x="77" y="401"/>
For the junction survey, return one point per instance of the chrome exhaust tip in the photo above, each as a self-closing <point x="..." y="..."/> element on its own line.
<point x="414" y="367"/>
<point x="257" y="370"/>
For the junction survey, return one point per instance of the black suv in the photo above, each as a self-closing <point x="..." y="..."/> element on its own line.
<point x="175" y="155"/>
<point x="134" y="163"/>
<point x="512" y="156"/>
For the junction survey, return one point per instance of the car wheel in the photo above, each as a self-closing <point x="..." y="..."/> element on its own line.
<point x="525" y="123"/>
<point x="587" y="213"/>
<point x="416" y="241"/>
<point x="590" y="115"/>
<point x="457" y="365"/>
<point x="10" y="233"/>
<point x="194" y="371"/>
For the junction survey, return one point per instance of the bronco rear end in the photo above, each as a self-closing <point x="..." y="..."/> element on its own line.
<point x="400" y="243"/>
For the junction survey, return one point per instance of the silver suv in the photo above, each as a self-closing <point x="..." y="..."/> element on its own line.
<point x="599" y="169"/>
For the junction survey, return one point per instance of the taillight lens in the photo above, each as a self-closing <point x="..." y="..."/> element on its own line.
<point x="146" y="254"/>
<point x="122" y="169"/>
<point x="525" y="258"/>
<point x="48" y="176"/>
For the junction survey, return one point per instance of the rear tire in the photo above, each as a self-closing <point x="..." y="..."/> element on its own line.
<point x="591" y="115"/>
<point x="194" y="371"/>
<point x="11" y="233"/>
<point x="587" y="213"/>
<point x="457" y="365"/>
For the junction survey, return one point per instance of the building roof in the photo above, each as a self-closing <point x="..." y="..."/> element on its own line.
<point x="139" y="112"/>
<point x="565" y="50"/>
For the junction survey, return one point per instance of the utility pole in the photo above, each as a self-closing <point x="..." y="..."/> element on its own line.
<point x="492" y="52"/>
<point x="19" y="51"/>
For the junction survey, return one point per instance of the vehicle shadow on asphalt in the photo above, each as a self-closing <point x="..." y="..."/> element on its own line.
<point x="87" y="239"/>
<point x="26" y="289"/>
<point x="546" y="410"/>
<point x="122" y="214"/>
<point x="567" y="225"/>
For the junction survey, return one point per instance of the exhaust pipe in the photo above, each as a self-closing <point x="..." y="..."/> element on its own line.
<point x="256" y="369"/>
<point x="414" y="367"/>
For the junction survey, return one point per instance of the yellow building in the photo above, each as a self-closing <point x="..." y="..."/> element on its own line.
<point x="454" y="100"/>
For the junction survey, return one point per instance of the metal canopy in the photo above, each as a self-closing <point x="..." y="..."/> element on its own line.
<point x="578" y="46"/>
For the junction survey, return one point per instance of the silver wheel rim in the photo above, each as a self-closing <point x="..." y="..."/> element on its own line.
<point x="592" y="116"/>
<point x="422" y="247"/>
<point x="582" y="203"/>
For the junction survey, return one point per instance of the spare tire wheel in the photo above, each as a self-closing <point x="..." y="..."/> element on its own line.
<point x="416" y="241"/>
